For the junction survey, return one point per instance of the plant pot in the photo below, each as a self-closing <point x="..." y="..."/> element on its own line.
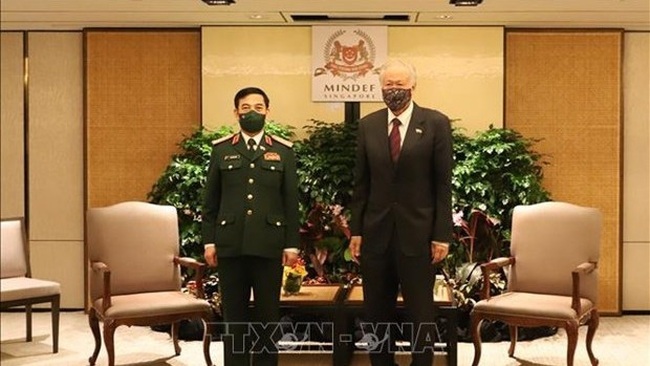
<point x="292" y="284"/>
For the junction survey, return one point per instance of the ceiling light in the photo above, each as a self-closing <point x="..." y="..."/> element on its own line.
<point x="256" y="16"/>
<point x="465" y="2"/>
<point x="219" y="2"/>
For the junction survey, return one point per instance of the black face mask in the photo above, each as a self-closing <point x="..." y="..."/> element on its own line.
<point x="252" y="121"/>
<point x="396" y="98"/>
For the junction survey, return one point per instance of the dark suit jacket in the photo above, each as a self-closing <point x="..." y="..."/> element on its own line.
<point x="251" y="199"/>
<point x="414" y="195"/>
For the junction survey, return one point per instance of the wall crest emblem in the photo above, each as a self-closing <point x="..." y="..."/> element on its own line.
<point x="348" y="55"/>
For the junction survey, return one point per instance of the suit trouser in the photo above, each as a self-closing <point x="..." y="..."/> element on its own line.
<point x="383" y="276"/>
<point x="246" y="327"/>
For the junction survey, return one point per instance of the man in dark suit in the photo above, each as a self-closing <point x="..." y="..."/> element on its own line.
<point x="250" y="227"/>
<point x="401" y="211"/>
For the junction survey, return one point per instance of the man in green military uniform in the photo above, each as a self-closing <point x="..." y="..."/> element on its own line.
<point x="250" y="226"/>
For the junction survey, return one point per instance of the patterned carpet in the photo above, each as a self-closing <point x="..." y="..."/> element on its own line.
<point x="621" y="341"/>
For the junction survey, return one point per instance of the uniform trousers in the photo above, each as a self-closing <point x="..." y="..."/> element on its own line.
<point x="247" y="327"/>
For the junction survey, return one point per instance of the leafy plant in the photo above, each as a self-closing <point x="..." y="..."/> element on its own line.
<point x="479" y="236"/>
<point x="325" y="163"/>
<point x="468" y="281"/>
<point x="496" y="171"/>
<point x="477" y="239"/>
<point x="324" y="239"/>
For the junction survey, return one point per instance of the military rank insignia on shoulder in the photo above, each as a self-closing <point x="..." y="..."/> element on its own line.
<point x="282" y="141"/>
<point x="222" y="139"/>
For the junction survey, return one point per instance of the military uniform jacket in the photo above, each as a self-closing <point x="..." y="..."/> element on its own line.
<point x="251" y="198"/>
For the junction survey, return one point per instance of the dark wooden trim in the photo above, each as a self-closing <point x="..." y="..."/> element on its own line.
<point x="635" y="312"/>
<point x="26" y="132"/>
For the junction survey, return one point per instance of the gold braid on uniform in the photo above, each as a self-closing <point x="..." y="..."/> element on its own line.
<point x="282" y="141"/>
<point x="222" y="139"/>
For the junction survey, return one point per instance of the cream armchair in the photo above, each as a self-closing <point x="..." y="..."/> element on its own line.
<point x="135" y="276"/>
<point x="17" y="288"/>
<point x="552" y="278"/>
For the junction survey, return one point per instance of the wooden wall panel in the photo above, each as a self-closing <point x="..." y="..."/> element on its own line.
<point x="56" y="136"/>
<point x="636" y="177"/>
<point x="12" y="165"/>
<point x="142" y="98"/>
<point x="56" y="212"/>
<point x="565" y="87"/>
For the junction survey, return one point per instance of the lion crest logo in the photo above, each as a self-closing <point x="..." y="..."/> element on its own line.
<point x="348" y="55"/>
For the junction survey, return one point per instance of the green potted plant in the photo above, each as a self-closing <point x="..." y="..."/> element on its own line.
<point x="494" y="171"/>
<point x="325" y="162"/>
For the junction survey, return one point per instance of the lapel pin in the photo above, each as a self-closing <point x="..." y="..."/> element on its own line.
<point x="417" y="130"/>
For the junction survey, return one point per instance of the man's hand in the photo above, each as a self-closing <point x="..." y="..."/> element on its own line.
<point x="289" y="257"/>
<point x="439" y="251"/>
<point x="355" y="248"/>
<point x="210" y="255"/>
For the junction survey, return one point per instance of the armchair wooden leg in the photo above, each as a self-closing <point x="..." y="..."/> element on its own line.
<point x="572" y="335"/>
<point x="55" y="323"/>
<point x="28" y="322"/>
<point x="109" y="332"/>
<point x="93" y="321"/>
<point x="207" y="338"/>
<point x="591" y="331"/>
<point x="175" y="326"/>
<point x="513" y="340"/>
<point x="476" y="337"/>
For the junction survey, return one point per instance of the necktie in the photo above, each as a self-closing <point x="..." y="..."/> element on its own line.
<point x="251" y="144"/>
<point x="394" y="140"/>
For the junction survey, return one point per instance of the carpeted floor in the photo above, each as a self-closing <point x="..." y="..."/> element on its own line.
<point x="619" y="341"/>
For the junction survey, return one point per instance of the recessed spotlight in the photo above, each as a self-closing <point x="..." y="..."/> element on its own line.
<point x="257" y="16"/>
<point x="219" y="2"/>
<point x="465" y="2"/>
<point x="445" y="17"/>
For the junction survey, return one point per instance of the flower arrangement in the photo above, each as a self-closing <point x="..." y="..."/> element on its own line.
<point x="479" y="235"/>
<point x="324" y="240"/>
<point x="478" y="238"/>
<point x="293" y="276"/>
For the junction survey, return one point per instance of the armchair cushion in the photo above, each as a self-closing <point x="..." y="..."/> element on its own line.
<point x="518" y="304"/>
<point x="20" y="288"/>
<point x="151" y="304"/>
<point x="138" y="242"/>
<point x="13" y="261"/>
